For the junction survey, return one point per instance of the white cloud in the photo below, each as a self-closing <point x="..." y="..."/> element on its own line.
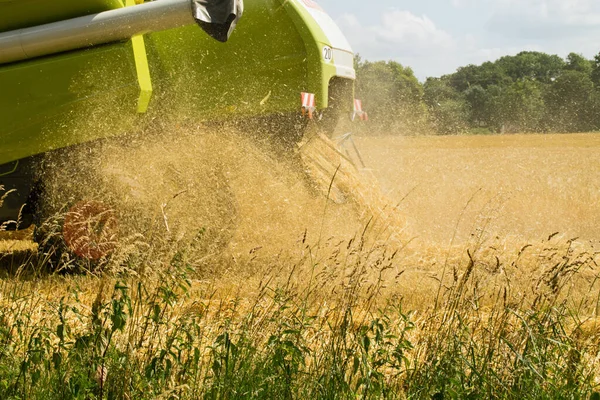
<point x="462" y="3"/>
<point x="400" y="33"/>
<point x="406" y="29"/>
<point x="416" y="42"/>
<point x="545" y="19"/>
<point x="552" y="26"/>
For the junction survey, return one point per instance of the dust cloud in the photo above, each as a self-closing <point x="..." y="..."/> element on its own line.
<point x="216" y="188"/>
<point x="243" y="209"/>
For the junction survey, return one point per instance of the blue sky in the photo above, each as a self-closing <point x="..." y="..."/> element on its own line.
<point x="434" y="37"/>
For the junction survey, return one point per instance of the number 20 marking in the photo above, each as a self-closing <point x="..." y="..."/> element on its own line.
<point x="327" y="53"/>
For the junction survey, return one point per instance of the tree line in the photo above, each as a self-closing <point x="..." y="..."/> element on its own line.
<point x="528" y="92"/>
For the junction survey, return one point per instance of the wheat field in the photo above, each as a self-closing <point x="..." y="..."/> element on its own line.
<point x="530" y="186"/>
<point x="464" y="267"/>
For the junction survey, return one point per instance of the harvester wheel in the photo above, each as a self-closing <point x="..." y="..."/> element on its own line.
<point x="90" y="230"/>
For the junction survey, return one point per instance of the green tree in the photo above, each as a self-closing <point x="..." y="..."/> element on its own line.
<point x="528" y="92"/>
<point x="502" y="94"/>
<point x="596" y="71"/>
<point x="522" y="107"/>
<point x="464" y="77"/>
<point x="478" y="99"/>
<point x="436" y="90"/>
<point x="576" y="62"/>
<point x="495" y="110"/>
<point x="392" y="96"/>
<point x="448" y="108"/>
<point x="572" y="103"/>
<point x="532" y="65"/>
<point x="483" y="75"/>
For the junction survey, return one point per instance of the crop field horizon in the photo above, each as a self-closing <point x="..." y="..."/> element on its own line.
<point x="527" y="186"/>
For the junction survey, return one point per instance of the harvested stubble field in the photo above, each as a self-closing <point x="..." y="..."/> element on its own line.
<point x="476" y="296"/>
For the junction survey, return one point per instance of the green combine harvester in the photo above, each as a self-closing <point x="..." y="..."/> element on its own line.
<point x="63" y="61"/>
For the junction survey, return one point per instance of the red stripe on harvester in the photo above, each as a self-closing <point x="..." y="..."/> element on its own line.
<point x="357" y="105"/>
<point x="308" y="99"/>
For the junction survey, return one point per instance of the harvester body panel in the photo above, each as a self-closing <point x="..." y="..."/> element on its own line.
<point x="280" y="48"/>
<point x="18" y="14"/>
<point x="63" y="84"/>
